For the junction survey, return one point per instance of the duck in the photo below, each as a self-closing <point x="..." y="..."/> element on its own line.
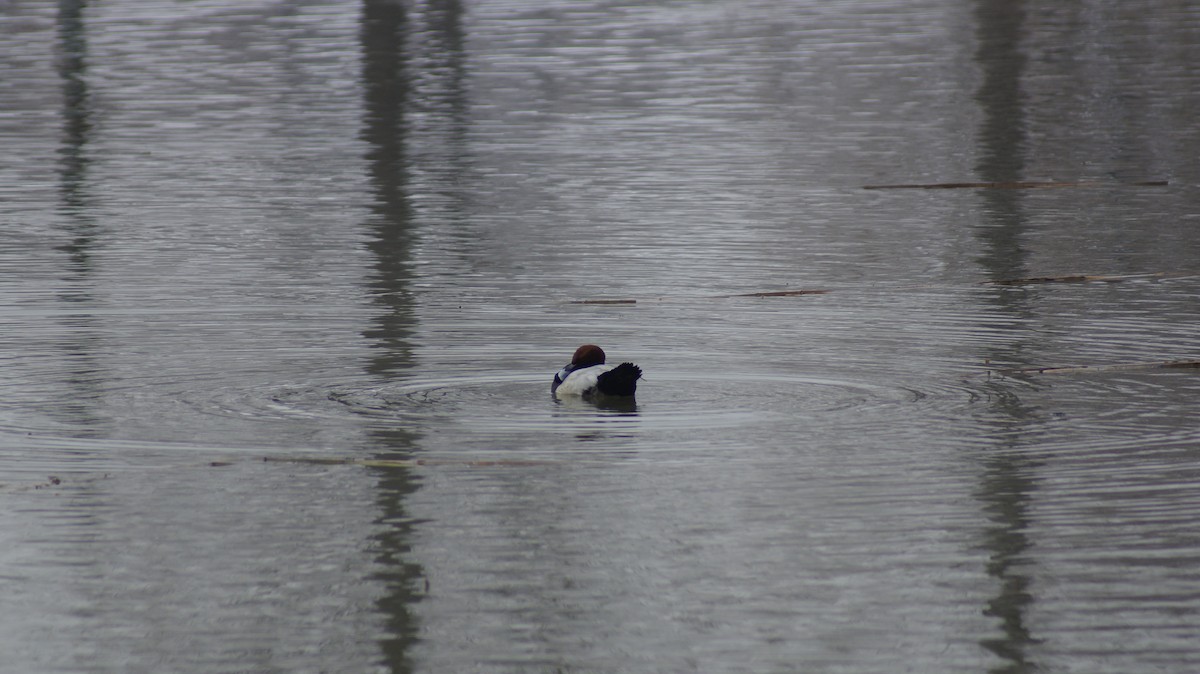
<point x="587" y="376"/>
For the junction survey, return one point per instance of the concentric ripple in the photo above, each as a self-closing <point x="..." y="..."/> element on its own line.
<point x="675" y="408"/>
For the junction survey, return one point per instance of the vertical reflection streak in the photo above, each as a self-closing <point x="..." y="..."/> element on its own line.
<point x="1006" y="485"/>
<point x="77" y="125"/>
<point x="412" y="55"/>
<point x="386" y="84"/>
<point x="386" y="93"/>
<point x="1002" y="136"/>
<point x="79" y="330"/>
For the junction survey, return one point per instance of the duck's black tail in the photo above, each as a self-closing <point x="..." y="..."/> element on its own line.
<point x="619" y="381"/>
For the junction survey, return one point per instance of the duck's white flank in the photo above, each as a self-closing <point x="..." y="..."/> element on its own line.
<point x="581" y="382"/>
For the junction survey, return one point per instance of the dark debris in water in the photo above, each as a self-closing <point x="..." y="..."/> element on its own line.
<point x="623" y="301"/>
<point x="1030" y="280"/>
<point x="1015" y="185"/>
<point x="407" y="463"/>
<point x="1120" y="367"/>
<point x="50" y="482"/>
<point x="765" y="293"/>
<point x="1074" y="278"/>
<point x="779" y="293"/>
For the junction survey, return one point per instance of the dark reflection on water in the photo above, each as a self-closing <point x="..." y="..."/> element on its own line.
<point x="1012" y="485"/>
<point x="1007" y="485"/>
<point x="401" y="578"/>
<point x="388" y="86"/>
<point x="387" y="92"/>
<point x="77" y="126"/>
<point x="79" y="326"/>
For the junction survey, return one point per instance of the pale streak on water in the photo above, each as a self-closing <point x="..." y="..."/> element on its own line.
<point x="320" y="230"/>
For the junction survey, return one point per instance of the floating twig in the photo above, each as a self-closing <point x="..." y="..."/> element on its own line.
<point x="778" y="293"/>
<point x="622" y="301"/>
<point x="404" y="463"/>
<point x="1119" y="367"/>
<point x="1014" y="185"/>
<point x="1033" y="280"/>
<point x="767" y="293"/>
<point x="1072" y="278"/>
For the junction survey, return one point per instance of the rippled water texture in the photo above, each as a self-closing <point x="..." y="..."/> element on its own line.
<point x="283" y="286"/>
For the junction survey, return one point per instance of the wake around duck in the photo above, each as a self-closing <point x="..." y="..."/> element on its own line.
<point x="587" y="376"/>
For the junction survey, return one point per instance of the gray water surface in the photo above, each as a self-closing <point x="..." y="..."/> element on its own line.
<point x="283" y="286"/>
